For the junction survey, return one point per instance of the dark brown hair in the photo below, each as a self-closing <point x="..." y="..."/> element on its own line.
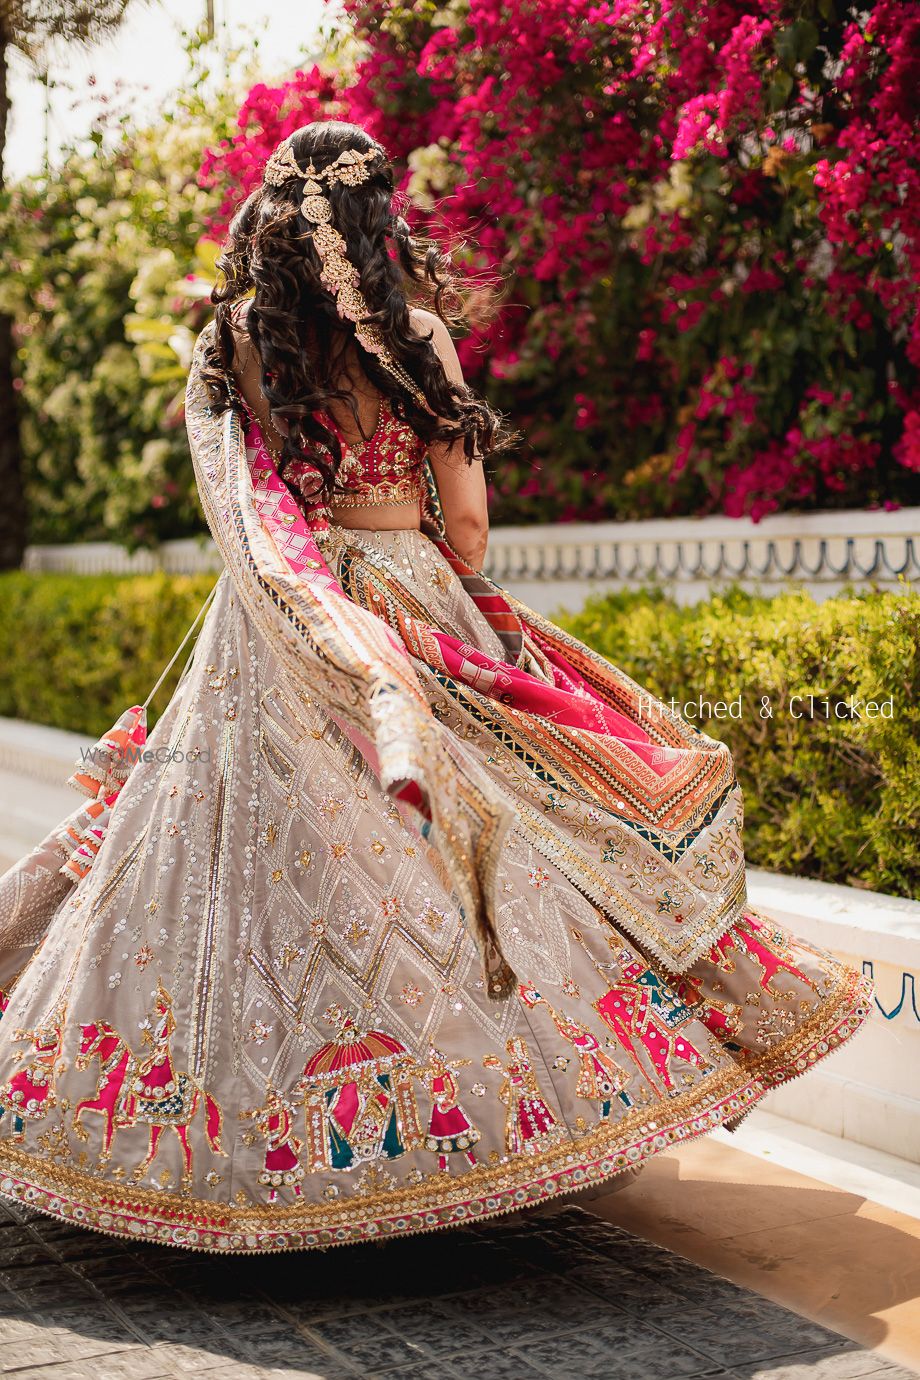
<point x="295" y="327"/>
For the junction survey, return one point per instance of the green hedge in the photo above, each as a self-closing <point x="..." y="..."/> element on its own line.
<point x="75" y="650"/>
<point x="833" y="798"/>
<point x="826" y="797"/>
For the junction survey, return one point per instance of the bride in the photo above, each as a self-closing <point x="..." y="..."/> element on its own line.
<point x="413" y="909"/>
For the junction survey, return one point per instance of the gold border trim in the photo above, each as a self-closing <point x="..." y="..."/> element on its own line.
<point x="484" y="1192"/>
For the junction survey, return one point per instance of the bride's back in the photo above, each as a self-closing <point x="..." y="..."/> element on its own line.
<point x="382" y="454"/>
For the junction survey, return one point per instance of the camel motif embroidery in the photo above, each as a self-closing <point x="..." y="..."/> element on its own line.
<point x="723" y="1018"/>
<point x="150" y="1091"/>
<point x="767" y="945"/>
<point x="645" y="1016"/>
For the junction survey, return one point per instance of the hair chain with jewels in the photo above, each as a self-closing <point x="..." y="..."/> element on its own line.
<point x="338" y="274"/>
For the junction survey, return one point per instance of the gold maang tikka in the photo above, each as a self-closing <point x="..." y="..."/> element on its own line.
<point x="338" y="273"/>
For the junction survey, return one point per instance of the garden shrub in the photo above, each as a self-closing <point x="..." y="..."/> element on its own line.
<point x="76" y="650"/>
<point x="106" y="277"/>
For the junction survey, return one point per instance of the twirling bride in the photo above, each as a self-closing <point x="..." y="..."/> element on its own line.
<point x="416" y="910"/>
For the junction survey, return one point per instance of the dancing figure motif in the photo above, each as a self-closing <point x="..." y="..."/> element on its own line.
<point x="30" y="1094"/>
<point x="449" y="1128"/>
<point x="600" y="1078"/>
<point x="275" y="1123"/>
<point x="530" y="1125"/>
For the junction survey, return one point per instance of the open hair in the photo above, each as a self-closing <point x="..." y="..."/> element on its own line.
<point x="293" y="322"/>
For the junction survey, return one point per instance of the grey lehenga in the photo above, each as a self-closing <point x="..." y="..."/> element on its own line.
<point x="367" y="949"/>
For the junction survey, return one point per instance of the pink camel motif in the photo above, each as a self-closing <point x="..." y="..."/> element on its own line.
<point x="150" y="1091"/>
<point x="99" y="1040"/>
<point x="641" y="1012"/>
<point x="766" y="946"/>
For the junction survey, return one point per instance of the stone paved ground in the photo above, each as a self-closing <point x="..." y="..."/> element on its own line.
<point x="563" y="1296"/>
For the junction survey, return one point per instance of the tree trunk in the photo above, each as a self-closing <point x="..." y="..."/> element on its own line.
<point x="12" y="497"/>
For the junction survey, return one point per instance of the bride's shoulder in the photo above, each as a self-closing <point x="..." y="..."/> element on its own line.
<point x="420" y="316"/>
<point x="430" y="326"/>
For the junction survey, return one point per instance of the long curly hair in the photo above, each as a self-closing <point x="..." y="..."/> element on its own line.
<point x="300" y="339"/>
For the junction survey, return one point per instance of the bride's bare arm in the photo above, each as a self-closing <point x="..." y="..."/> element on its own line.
<point x="461" y="485"/>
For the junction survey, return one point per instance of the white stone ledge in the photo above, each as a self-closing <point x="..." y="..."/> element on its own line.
<point x="558" y="565"/>
<point x="38" y="751"/>
<point x="853" y="1168"/>
<point x="841" y="917"/>
<point x="187" y="556"/>
<point x="867" y="1094"/>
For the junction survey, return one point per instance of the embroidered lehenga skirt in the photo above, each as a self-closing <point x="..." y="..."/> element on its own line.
<point x="261" y="1020"/>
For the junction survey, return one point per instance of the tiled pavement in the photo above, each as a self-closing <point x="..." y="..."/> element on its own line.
<point x="563" y="1296"/>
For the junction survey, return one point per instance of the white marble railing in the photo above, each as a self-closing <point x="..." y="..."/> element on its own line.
<point x="188" y="556"/>
<point x="868" y="1093"/>
<point x="559" y="566"/>
<point x="553" y="566"/>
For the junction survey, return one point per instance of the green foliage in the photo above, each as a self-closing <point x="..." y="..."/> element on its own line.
<point x="106" y="278"/>
<point x="76" y="650"/>
<point x="833" y="798"/>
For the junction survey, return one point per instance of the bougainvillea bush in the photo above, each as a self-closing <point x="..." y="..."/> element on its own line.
<point x="706" y="219"/>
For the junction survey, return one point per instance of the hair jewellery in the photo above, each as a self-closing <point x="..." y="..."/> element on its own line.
<point x="338" y="274"/>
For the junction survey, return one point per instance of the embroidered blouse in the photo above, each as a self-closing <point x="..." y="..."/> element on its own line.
<point x="387" y="468"/>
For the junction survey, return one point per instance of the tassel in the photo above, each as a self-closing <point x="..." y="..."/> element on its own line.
<point x="86" y="833"/>
<point x="105" y="768"/>
<point x="100" y="773"/>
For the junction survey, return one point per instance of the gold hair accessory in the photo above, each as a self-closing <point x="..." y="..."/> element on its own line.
<point x="338" y="273"/>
